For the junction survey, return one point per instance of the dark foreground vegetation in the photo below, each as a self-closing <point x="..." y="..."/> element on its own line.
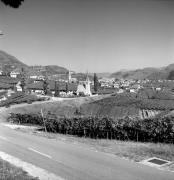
<point x="159" y="129"/>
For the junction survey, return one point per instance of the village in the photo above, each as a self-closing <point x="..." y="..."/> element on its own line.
<point x="35" y="79"/>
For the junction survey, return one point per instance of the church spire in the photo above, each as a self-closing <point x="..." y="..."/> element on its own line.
<point x="87" y="77"/>
<point x="69" y="76"/>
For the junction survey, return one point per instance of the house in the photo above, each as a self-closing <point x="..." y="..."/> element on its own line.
<point x="15" y="73"/>
<point x="158" y="89"/>
<point x="36" y="75"/>
<point x="37" y="87"/>
<point x="120" y="91"/>
<point x="1" y="72"/>
<point x="18" y="87"/>
<point x="132" y="90"/>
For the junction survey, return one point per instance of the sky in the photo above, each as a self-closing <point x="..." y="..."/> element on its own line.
<point x="90" y="35"/>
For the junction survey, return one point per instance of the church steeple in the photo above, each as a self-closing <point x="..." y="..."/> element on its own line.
<point x="88" y="87"/>
<point x="69" y="76"/>
<point x="87" y="77"/>
<point x="84" y="87"/>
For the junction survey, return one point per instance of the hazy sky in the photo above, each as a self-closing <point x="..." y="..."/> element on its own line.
<point x="93" y="35"/>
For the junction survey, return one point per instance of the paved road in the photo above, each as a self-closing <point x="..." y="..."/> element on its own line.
<point x="72" y="162"/>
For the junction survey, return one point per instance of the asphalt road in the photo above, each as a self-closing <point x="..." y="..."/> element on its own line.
<point x="72" y="162"/>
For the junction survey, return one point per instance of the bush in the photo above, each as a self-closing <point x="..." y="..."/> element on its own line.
<point x="81" y="94"/>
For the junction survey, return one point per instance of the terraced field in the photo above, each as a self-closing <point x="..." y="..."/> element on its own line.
<point x="126" y="105"/>
<point x="18" y="98"/>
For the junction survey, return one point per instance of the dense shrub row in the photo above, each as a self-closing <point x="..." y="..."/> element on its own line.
<point x="26" y="118"/>
<point x="147" y="130"/>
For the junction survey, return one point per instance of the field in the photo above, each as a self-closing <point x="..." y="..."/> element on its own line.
<point x="115" y="106"/>
<point x="61" y="107"/>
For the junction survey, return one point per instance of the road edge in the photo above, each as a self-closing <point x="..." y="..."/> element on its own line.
<point x="31" y="169"/>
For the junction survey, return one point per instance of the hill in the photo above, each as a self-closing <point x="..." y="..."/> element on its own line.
<point x="145" y="73"/>
<point x="82" y="76"/>
<point x="101" y="74"/>
<point x="53" y="69"/>
<point x="121" y="105"/>
<point x="10" y="63"/>
<point x="9" y="60"/>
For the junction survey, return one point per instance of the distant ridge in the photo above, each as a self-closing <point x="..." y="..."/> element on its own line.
<point x="145" y="73"/>
<point x="54" y="69"/>
<point x="7" y="59"/>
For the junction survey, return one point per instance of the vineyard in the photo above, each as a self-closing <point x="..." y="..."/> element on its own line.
<point x="147" y="130"/>
<point x="18" y="98"/>
<point x="149" y="93"/>
<point x="125" y="105"/>
<point x="115" y="107"/>
<point x="128" y="100"/>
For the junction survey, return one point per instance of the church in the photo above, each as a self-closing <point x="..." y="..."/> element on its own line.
<point x="84" y="87"/>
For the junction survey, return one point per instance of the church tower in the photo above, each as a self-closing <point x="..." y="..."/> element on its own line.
<point x="69" y="76"/>
<point x="84" y="87"/>
<point x="88" y="87"/>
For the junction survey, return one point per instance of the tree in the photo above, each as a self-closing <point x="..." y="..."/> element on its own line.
<point x="13" y="3"/>
<point x="23" y="79"/>
<point x="57" y="90"/>
<point x="66" y="88"/>
<point x="7" y="69"/>
<point x="96" y="83"/>
<point x="171" y="75"/>
<point x="46" y="87"/>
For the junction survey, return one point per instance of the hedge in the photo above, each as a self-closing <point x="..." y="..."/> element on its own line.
<point x="147" y="130"/>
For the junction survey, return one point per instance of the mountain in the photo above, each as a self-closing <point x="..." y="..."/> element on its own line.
<point x="53" y="69"/>
<point x="82" y="76"/>
<point x="103" y="75"/>
<point x="145" y="73"/>
<point x="9" y="60"/>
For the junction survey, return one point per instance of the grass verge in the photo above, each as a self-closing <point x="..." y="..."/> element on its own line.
<point x="10" y="172"/>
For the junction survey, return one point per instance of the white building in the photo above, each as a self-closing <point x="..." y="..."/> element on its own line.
<point x="84" y="87"/>
<point x="18" y="86"/>
<point x="14" y="74"/>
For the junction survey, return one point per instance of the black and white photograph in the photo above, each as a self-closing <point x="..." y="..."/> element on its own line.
<point x="86" y="89"/>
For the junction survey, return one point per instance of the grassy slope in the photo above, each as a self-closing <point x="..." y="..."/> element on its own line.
<point x="65" y="107"/>
<point x="127" y="105"/>
<point x="8" y="171"/>
<point x="112" y="106"/>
